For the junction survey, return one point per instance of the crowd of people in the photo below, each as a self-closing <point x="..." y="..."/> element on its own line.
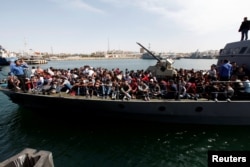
<point x="226" y="81"/>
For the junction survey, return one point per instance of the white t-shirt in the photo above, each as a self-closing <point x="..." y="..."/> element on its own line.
<point x="246" y="84"/>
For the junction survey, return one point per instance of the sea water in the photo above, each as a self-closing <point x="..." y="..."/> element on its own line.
<point x="107" y="144"/>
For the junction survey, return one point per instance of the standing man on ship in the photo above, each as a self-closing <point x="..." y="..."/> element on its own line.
<point x="225" y="71"/>
<point x="18" y="70"/>
<point x="244" y="27"/>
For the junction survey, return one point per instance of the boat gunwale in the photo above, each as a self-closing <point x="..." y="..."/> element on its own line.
<point x="64" y="95"/>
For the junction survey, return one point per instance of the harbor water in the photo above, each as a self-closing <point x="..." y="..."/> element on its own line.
<point x="108" y="143"/>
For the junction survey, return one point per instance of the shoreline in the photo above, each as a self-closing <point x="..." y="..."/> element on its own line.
<point x="92" y="58"/>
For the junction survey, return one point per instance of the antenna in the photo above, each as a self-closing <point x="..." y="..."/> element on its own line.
<point x="108" y="44"/>
<point x="51" y="48"/>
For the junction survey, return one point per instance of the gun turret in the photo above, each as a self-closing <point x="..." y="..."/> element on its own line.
<point x="162" y="69"/>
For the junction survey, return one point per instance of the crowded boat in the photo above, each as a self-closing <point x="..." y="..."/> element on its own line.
<point x="127" y="85"/>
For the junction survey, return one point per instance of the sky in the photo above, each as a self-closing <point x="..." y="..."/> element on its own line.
<point x="87" y="26"/>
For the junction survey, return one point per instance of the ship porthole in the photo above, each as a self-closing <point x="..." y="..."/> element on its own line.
<point x="162" y="108"/>
<point x="199" y="109"/>
<point x="121" y="106"/>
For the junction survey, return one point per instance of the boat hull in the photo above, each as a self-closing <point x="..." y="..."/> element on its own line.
<point x="5" y="61"/>
<point x="164" y="111"/>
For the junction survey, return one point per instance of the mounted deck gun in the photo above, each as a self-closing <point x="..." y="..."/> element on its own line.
<point x="163" y="68"/>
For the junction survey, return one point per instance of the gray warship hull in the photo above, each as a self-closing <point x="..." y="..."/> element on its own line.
<point x="182" y="111"/>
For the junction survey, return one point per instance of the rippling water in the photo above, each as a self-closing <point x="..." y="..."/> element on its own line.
<point x="110" y="143"/>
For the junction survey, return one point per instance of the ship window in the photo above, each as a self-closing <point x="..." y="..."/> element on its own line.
<point x="248" y="50"/>
<point x="235" y="51"/>
<point x="229" y="51"/>
<point x="223" y="51"/>
<point x="243" y="50"/>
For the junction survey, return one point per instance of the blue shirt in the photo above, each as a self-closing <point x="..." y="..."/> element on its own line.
<point x="226" y="70"/>
<point x="18" y="70"/>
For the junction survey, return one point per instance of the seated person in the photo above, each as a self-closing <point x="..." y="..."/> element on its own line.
<point x="191" y="89"/>
<point x="13" y="82"/>
<point x="154" y="88"/>
<point x="143" y="90"/>
<point x="163" y="86"/>
<point x="66" y="86"/>
<point x="237" y="85"/>
<point x="134" y="88"/>
<point x="97" y="87"/>
<point x="90" y="87"/>
<point x="229" y="91"/>
<point x="125" y="89"/>
<point x="171" y="90"/>
<point x="106" y="88"/>
<point x="115" y="89"/>
<point x="246" y="84"/>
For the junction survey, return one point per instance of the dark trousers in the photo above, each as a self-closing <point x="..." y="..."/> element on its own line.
<point x="22" y="82"/>
<point x="244" y="33"/>
<point x="226" y="78"/>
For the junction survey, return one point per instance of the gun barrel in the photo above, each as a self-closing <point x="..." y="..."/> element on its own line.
<point x="148" y="51"/>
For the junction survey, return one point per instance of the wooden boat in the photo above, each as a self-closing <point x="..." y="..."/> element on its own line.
<point x="185" y="111"/>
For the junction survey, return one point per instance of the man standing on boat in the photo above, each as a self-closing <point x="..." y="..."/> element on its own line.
<point x="225" y="71"/>
<point x="18" y="70"/>
<point x="244" y="27"/>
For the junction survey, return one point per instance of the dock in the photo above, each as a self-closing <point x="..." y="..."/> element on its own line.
<point x="39" y="61"/>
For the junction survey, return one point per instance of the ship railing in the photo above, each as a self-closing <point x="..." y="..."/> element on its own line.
<point x="228" y="81"/>
<point x="239" y="92"/>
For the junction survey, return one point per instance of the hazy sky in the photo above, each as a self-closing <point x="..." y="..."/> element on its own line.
<point x="86" y="26"/>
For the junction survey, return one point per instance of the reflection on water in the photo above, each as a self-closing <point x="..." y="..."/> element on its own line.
<point x="125" y="143"/>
